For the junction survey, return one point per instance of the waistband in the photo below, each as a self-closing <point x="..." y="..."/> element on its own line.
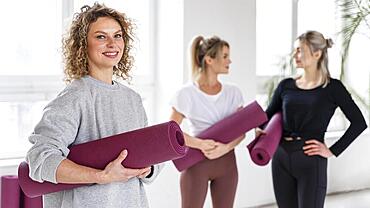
<point x="293" y="136"/>
<point x="292" y="139"/>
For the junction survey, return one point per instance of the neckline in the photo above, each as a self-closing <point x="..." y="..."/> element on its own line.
<point x="196" y="85"/>
<point x="100" y="83"/>
<point x="310" y="89"/>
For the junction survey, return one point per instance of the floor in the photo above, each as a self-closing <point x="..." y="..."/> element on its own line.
<point x="353" y="199"/>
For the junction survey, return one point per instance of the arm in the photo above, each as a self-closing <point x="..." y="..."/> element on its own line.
<point x="70" y="172"/>
<point x="344" y="100"/>
<point x="202" y="144"/>
<point x="352" y="113"/>
<point x="52" y="136"/>
<point x="274" y="106"/>
<point x="222" y="149"/>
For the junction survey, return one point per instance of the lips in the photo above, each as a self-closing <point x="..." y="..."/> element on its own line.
<point x="112" y="54"/>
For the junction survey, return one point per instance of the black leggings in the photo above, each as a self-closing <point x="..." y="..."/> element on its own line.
<point x="222" y="174"/>
<point x="299" y="180"/>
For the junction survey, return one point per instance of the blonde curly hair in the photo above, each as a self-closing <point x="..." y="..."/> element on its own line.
<point x="75" y="43"/>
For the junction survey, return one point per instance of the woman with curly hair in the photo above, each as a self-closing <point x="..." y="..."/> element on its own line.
<point x="92" y="106"/>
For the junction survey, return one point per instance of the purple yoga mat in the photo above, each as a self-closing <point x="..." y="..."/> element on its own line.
<point x="146" y="147"/>
<point x="32" y="202"/>
<point x="10" y="192"/>
<point x="225" y="131"/>
<point x="262" y="148"/>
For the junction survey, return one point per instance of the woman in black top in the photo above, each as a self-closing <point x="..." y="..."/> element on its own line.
<point x="299" y="166"/>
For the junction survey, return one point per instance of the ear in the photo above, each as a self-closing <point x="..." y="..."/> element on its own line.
<point x="208" y="60"/>
<point x="317" y="54"/>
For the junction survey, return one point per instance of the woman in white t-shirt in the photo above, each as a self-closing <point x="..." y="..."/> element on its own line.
<point x="203" y="102"/>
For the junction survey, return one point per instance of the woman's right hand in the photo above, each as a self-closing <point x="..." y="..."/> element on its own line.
<point x="258" y="132"/>
<point x="206" y="145"/>
<point x="115" y="171"/>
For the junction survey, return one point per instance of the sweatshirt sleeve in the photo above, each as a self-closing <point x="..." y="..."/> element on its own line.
<point x="155" y="172"/>
<point x="52" y="136"/>
<point x="345" y="102"/>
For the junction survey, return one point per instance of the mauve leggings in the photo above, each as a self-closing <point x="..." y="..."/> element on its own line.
<point x="223" y="176"/>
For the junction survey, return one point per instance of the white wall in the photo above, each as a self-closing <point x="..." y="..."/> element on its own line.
<point x="234" y="21"/>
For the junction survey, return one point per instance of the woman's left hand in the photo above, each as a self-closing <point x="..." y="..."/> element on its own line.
<point x="220" y="150"/>
<point x="314" y="147"/>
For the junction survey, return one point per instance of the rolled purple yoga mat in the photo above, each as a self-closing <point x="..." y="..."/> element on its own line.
<point x="146" y="147"/>
<point x="262" y="148"/>
<point x="10" y="192"/>
<point x="32" y="202"/>
<point x="225" y="131"/>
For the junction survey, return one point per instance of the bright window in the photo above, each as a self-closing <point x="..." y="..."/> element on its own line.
<point x="31" y="64"/>
<point x="278" y="25"/>
<point x="30" y="42"/>
<point x="274" y="34"/>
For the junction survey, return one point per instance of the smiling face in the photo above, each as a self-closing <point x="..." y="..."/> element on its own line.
<point x="105" y="44"/>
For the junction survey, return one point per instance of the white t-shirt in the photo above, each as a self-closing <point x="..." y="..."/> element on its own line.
<point x="203" y="110"/>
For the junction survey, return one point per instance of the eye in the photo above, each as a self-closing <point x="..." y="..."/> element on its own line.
<point x="119" y="35"/>
<point x="100" y="37"/>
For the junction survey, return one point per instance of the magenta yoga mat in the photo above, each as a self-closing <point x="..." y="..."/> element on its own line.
<point x="225" y="130"/>
<point x="262" y="148"/>
<point x="10" y="192"/>
<point x="29" y="202"/>
<point x="146" y="147"/>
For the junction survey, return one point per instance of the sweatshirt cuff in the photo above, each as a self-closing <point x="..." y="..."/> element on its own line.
<point x="155" y="169"/>
<point x="335" y="152"/>
<point x="49" y="168"/>
<point x="151" y="172"/>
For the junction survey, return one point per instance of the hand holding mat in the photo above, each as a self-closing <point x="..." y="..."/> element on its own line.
<point x="146" y="147"/>
<point x="225" y="131"/>
<point x="262" y="148"/>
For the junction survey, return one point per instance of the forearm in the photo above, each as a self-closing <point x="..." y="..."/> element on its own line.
<point x="190" y="141"/>
<point x="231" y="145"/>
<point x="70" y="172"/>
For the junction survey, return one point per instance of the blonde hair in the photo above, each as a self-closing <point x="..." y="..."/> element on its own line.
<point x="75" y="43"/>
<point x="315" y="42"/>
<point x="202" y="47"/>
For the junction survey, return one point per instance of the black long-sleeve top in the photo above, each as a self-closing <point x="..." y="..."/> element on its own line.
<point x="306" y="113"/>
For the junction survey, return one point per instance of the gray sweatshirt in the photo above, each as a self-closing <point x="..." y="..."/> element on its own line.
<point x="86" y="110"/>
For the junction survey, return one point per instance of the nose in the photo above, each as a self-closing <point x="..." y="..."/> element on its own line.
<point x="110" y="42"/>
<point x="295" y="55"/>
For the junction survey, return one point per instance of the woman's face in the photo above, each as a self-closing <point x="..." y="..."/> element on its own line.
<point x="303" y="56"/>
<point x="104" y="44"/>
<point x="222" y="62"/>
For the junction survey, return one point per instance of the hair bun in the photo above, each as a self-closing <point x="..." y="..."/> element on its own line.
<point x="329" y="43"/>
